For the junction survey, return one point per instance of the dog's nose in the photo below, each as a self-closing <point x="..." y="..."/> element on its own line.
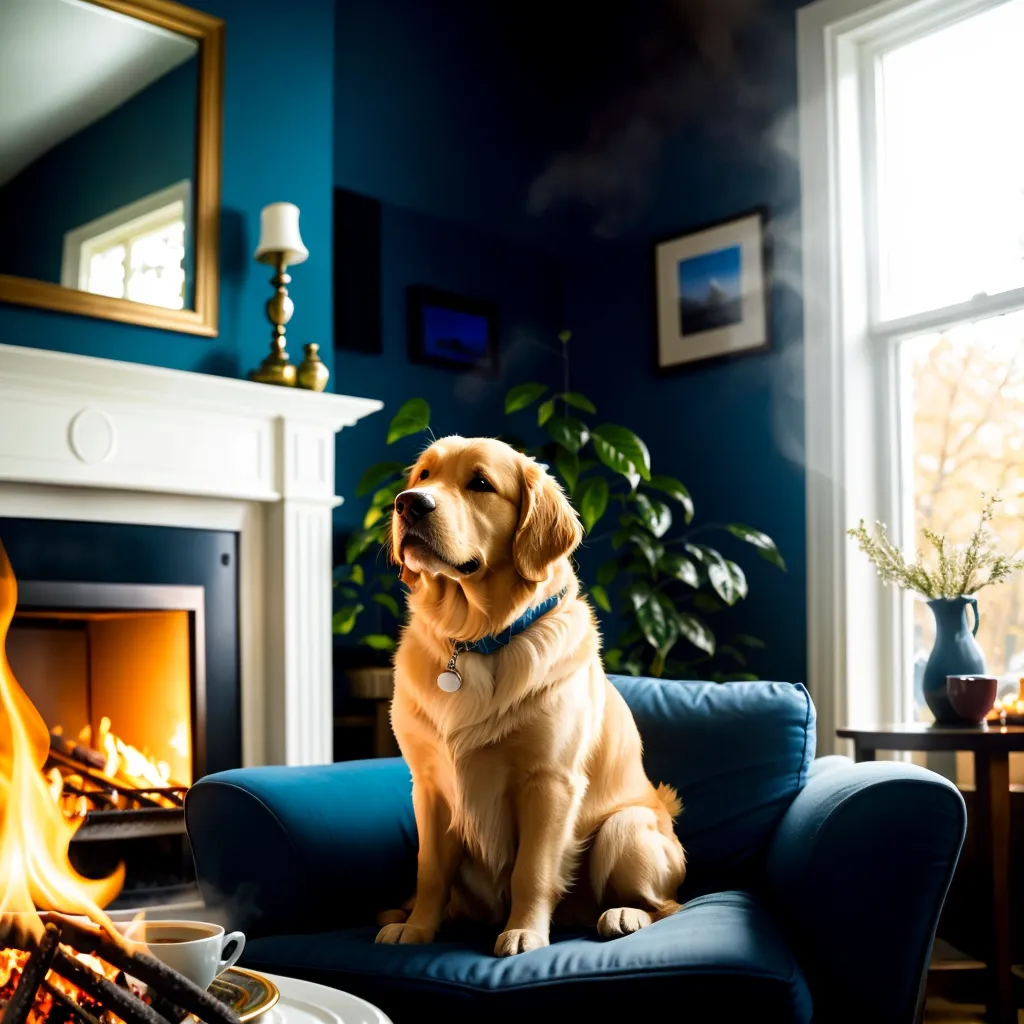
<point x="413" y="505"/>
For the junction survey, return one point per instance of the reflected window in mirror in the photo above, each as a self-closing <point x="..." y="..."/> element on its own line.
<point x="136" y="252"/>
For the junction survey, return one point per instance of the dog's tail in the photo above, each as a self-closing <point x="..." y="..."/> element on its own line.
<point x="670" y="798"/>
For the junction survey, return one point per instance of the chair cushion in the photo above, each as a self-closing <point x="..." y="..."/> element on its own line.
<point x="721" y="955"/>
<point x="738" y="753"/>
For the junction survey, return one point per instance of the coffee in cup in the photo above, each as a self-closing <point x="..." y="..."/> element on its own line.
<point x="194" y="949"/>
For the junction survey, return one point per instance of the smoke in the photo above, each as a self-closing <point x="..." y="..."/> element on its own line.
<point x="692" y="62"/>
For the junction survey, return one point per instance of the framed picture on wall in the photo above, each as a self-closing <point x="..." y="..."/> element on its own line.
<point x="452" y="331"/>
<point x="712" y="293"/>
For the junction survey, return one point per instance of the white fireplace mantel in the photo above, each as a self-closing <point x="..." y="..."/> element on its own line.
<point x="98" y="440"/>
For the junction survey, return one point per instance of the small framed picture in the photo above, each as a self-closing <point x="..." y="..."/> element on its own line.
<point x="452" y="331"/>
<point x="712" y="293"/>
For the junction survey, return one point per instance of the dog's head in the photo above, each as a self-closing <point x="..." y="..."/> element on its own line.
<point x="477" y="506"/>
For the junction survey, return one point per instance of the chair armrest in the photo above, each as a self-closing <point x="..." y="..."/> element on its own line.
<point x="857" y="873"/>
<point x="304" y="848"/>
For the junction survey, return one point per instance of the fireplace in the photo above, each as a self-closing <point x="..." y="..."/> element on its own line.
<point x="125" y="640"/>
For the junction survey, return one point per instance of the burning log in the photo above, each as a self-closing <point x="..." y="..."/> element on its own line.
<point x="32" y="976"/>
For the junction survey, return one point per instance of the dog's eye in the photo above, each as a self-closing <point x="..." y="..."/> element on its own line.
<point x="425" y="474"/>
<point x="479" y="483"/>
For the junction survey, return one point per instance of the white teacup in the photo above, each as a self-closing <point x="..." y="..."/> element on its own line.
<point x="192" y="948"/>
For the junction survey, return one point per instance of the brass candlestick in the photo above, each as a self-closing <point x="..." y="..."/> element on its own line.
<point x="276" y="367"/>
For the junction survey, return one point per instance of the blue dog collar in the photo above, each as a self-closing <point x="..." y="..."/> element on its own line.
<point x="450" y="680"/>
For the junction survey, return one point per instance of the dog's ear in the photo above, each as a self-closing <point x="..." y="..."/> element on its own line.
<point x="548" y="529"/>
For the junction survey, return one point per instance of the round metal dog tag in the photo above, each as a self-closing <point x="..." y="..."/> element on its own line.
<point x="449" y="681"/>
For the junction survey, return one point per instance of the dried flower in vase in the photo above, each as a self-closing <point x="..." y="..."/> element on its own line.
<point x="956" y="570"/>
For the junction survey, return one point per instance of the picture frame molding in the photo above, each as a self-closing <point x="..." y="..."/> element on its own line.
<point x="419" y="296"/>
<point x="762" y="212"/>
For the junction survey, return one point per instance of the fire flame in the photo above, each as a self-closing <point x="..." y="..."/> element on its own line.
<point x="35" y="836"/>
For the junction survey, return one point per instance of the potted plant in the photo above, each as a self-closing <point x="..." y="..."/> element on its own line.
<point x="661" y="586"/>
<point x="948" y="585"/>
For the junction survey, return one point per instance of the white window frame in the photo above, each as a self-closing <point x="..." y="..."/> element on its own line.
<point x="133" y="219"/>
<point x="859" y="633"/>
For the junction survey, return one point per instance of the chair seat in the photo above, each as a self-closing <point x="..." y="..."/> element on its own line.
<point x="721" y="954"/>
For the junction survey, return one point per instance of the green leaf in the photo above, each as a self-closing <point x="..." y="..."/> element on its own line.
<point x="568" y="465"/>
<point x="577" y="401"/>
<point x="587" y="464"/>
<point x="707" y="603"/>
<point x="651" y="549"/>
<point x="569" y="432"/>
<point x="564" y="337"/>
<point x="592" y="500"/>
<point x="613" y="659"/>
<point x="654" y="514"/>
<point x="344" y="619"/>
<point x="725" y="577"/>
<point x="674" y="489"/>
<point x="386" y="495"/>
<point x="747" y="641"/>
<point x="737" y="655"/>
<point x="545" y="411"/>
<point x="349" y="593"/>
<point x="607" y="573"/>
<point x="523" y="395"/>
<point x="387" y="601"/>
<point x="379" y="642"/>
<point x="376" y="475"/>
<point x="621" y="450"/>
<point x="600" y="596"/>
<point x="654" y="623"/>
<point x="349" y="574"/>
<point x="411" y="418"/>
<point x="373" y="514"/>
<point x="765" y="545"/>
<point x="637" y="594"/>
<point x="681" y="568"/>
<point x="696" y="632"/>
<point x="357" y="544"/>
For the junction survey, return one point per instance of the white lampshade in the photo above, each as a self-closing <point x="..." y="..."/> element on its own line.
<point x="279" y="233"/>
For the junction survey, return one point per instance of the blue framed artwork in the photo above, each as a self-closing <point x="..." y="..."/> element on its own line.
<point x="452" y="331"/>
<point x="712" y="293"/>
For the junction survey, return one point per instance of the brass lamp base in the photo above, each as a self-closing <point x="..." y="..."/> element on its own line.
<point x="275" y="369"/>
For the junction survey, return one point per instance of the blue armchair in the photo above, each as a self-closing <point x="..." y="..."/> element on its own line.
<point x="813" y="892"/>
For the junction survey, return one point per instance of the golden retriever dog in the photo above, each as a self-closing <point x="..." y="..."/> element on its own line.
<point x="528" y="787"/>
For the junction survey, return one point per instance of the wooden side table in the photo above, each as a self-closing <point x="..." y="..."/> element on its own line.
<point x="991" y="746"/>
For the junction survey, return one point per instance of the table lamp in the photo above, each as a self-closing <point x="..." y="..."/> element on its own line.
<point x="280" y="246"/>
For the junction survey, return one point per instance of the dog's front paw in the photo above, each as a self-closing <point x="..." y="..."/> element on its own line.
<point x="519" y="940"/>
<point x="622" y="921"/>
<point x="403" y="935"/>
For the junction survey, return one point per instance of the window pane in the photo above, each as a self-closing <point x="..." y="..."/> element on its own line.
<point x="951" y="191"/>
<point x="106" y="272"/>
<point x="968" y="438"/>
<point x="157" y="272"/>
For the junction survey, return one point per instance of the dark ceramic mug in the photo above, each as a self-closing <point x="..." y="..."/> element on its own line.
<point x="971" y="697"/>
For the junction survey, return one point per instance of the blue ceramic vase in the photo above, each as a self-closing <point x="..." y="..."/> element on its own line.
<point x="956" y="653"/>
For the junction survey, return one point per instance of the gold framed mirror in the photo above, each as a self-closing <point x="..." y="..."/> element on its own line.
<point x="110" y="160"/>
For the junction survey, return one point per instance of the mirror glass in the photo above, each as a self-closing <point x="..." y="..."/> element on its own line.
<point x="97" y="151"/>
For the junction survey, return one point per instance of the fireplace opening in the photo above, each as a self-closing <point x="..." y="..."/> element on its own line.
<point x="117" y="672"/>
<point x="127" y="637"/>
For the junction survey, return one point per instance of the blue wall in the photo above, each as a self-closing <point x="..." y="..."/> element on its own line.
<point x="146" y="144"/>
<point x="276" y="147"/>
<point x="732" y="432"/>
